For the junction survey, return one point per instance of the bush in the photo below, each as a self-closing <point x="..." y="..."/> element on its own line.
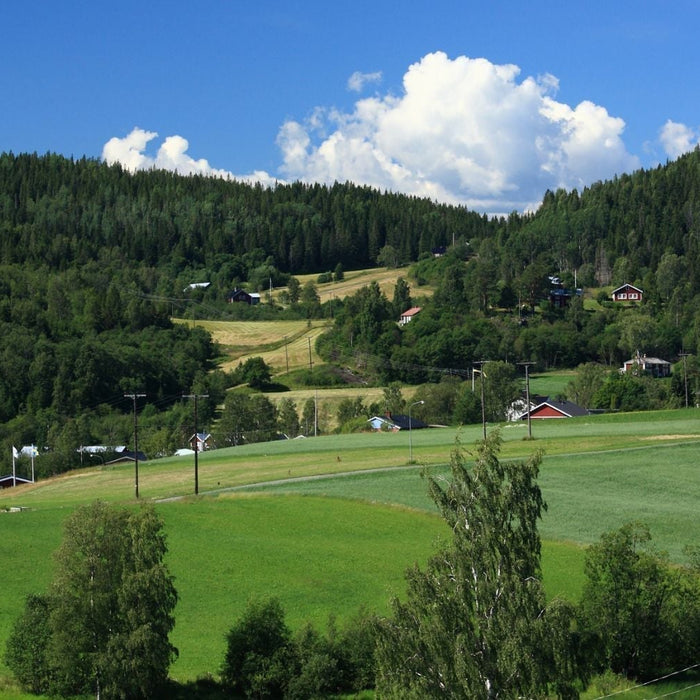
<point x="26" y="651"/>
<point x="264" y="660"/>
<point x="257" y="661"/>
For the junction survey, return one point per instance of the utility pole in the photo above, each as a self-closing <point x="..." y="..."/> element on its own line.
<point x="527" y="366"/>
<point x="136" y="442"/>
<point x="685" y="376"/>
<point x="481" y="364"/>
<point x="196" y="438"/>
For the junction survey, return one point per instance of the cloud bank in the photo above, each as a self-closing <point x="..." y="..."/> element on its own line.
<point x="463" y="131"/>
<point x="171" y="155"/>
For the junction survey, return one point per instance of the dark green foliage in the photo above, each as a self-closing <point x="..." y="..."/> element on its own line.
<point x="645" y="615"/>
<point x="264" y="659"/>
<point x="104" y="628"/>
<point x="27" y="645"/>
<point x="402" y="297"/>
<point x="254" y="371"/>
<point x="258" y="652"/>
<point x="351" y="409"/>
<point x="288" y="418"/>
<point x="246" y="418"/>
<point x="475" y="623"/>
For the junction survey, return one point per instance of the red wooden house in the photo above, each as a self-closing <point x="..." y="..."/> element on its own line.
<point x="627" y="292"/>
<point x="555" y="409"/>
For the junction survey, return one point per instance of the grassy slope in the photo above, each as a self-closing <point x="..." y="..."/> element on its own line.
<point x="334" y="543"/>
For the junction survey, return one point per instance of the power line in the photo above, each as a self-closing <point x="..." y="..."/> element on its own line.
<point x="655" y="680"/>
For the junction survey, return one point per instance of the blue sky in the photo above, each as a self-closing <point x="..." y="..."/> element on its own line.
<point x="484" y="104"/>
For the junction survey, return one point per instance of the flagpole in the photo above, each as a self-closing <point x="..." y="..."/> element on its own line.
<point x="14" y="474"/>
<point x="33" y="449"/>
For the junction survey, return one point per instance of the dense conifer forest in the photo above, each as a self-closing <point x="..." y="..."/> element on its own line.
<point x="94" y="261"/>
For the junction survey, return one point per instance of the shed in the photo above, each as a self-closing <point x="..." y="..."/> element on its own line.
<point x="7" y="482"/>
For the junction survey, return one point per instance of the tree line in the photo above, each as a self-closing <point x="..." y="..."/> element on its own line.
<point x="95" y="261"/>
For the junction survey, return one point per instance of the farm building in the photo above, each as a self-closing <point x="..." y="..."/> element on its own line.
<point x="202" y="441"/>
<point x="627" y="293"/>
<point x="396" y="423"/>
<point x="240" y="296"/>
<point x="408" y="315"/>
<point x="555" y="409"/>
<point x="653" y="365"/>
<point x="11" y="480"/>
<point x="128" y="456"/>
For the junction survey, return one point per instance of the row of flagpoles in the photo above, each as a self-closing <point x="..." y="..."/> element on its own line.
<point x="15" y="456"/>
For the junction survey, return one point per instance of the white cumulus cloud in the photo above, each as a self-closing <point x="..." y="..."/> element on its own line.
<point x="130" y="152"/>
<point x="678" y="139"/>
<point x="463" y="130"/>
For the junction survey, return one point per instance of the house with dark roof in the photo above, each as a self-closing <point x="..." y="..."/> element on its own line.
<point x="555" y="409"/>
<point x="240" y="296"/>
<point x="11" y="480"/>
<point x="126" y="456"/>
<point x="396" y="422"/>
<point x="201" y="440"/>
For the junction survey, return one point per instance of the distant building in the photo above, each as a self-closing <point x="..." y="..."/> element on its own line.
<point x="126" y="456"/>
<point x="555" y="409"/>
<point x="559" y="297"/>
<point x="9" y="481"/>
<point x="627" y="292"/>
<point x="408" y="315"/>
<point x="396" y="423"/>
<point x="240" y="296"/>
<point x="651" y="365"/>
<point x="197" y="285"/>
<point x="201" y="440"/>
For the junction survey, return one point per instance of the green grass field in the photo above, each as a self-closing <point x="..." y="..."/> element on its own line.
<point x="328" y="524"/>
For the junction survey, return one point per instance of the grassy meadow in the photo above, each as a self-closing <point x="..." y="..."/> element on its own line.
<point x="329" y="524"/>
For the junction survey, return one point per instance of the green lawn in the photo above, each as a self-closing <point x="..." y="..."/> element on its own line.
<point x="344" y="536"/>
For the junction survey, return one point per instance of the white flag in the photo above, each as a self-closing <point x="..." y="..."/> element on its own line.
<point x="15" y="454"/>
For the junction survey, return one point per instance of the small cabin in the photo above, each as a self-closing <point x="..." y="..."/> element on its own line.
<point x="408" y="315"/>
<point x="627" y="292"/>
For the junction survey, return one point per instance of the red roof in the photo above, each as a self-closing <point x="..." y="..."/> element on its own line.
<point x="411" y="312"/>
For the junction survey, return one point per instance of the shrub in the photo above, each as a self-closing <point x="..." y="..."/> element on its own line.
<point x="257" y="661"/>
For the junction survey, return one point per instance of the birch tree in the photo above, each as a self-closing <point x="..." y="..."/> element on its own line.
<point x="475" y="623"/>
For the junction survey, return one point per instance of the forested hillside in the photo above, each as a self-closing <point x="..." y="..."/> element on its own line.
<point x="94" y="261"/>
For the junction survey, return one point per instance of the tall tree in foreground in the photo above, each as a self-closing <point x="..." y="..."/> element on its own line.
<point x="112" y="605"/>
<point x="475" y="623"/>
